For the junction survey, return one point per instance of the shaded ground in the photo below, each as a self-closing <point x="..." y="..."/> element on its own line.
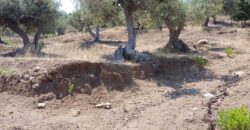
<point x="165" y="99"/>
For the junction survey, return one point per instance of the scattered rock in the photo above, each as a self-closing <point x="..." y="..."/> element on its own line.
<point x="46" y="97"/>
<point x="23" y="81"/>
<point x="195" y="108"/>
<point x="41" y="105"/>
<point x="202" y="42"/>
<point x="107" y="105"/>
<point x="201" y="45"/>
<point x="31" y="78"/>
<point x="208" y="95"/>
<point x="104" y="105"/>
<point x="26" y="76"/>
<point x="75" y="113"/>
<point x="100" y="105"/>
<point x="36" y="69"/>
<point x="35" y="86"/>
<point x="238" y="73"/>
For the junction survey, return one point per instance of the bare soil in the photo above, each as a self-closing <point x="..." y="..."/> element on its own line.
<point x="166" y="93"/>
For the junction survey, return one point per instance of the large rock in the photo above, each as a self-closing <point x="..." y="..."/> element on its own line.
<point x="201" y="45"/>
<point x="122" y="54"/>
<point x="202" y="42"/>
<point x="41" y="105"/>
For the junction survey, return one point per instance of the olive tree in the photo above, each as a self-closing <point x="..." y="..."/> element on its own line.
<point x="243" y="12"/>
<point x="76" y="20"/>
<point x="94" y="14"/>
<point x="230" y="7"/>
<point x="204" y="9"/>
<point x="25" y="16"/>
<point x="62" y="23"/>
<point x="172" y="13"/>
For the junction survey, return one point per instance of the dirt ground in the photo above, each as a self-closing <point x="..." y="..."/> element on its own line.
<point x="169" y="98"/>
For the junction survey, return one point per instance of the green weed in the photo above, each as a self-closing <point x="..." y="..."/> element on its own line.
<point x="4" y="71"/>
<point x="200" y="60"/>
<point x="229" y="51"/>
<point x="234" y="119"/>
<point x="71" y="87"/>
<point x="41" y="45"/>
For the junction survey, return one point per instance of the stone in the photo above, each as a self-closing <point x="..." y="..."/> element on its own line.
<point x="46" y="97"/>
<point x="238" y="73"/>
<point x="36" y="69"/>
<point x="202" y="42"/>
<point x="107" y="105"/>
<point x="208" y="95"/>
<point x="104" y="105"/>
<point x="41" y="105"/>
<point x="26" y="76"/>
<point x="35" y="86"/>
<point x="100" y="105"/>
<point x="31" y="78"/>
<point x="75" y="113"/>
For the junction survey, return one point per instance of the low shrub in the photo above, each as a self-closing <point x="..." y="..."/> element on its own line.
<point x="234" y="119"/>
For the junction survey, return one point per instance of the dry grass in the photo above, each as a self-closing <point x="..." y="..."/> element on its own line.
<point x="73" y="45"/>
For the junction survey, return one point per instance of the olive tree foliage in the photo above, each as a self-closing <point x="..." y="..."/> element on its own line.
<point x="94" y="14"/>
<point x="76" y="20"/>
<point x="204" y="9"/>
<point x="230" y="7"/>
<point x="28" y="16"/>
<point x="243" y="12"/>
<point x="172" y="13"/>
<point x="62" y="23"/>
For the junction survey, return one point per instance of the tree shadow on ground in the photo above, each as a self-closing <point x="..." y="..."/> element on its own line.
<point x="225" y="24"/>
<point x="20" y="53"/>
<point x="173" y="72"/>
<point x="212" y="28"/>
<point x="89" y="44"/>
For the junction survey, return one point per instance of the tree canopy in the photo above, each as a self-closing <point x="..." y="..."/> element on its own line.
<point x="24" y="16"/>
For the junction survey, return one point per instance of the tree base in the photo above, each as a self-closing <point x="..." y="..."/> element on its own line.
<point x="2" y="42"/>
<point x="178" y="46"/>
<point x="122" y="54"/>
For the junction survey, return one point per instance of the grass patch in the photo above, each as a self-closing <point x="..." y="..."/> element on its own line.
<point x="5" y="71"/>
<point x="10" y="42"/>
<point x="200" y="60"/>
<point x="230" y="52"/>
<point x="41" y="45"/>
<point x="71" y="87"/>
<point x="234" y="119"/>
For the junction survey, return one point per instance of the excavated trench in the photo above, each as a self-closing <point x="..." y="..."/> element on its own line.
<point x="215" y="103"/>
<point x="86" y="76"/>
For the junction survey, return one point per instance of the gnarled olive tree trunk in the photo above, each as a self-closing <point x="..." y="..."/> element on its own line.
<point x="96" y="35"/>
<point x="35" y="43"/>
<point x="175" y="44"/>
<point x="205" y="23"/>
<point x="26" y="41"/>
<point x="214" y="19"/>
<point x="1" y="41"/>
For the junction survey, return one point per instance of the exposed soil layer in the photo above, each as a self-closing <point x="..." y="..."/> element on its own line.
<point x="86" y="76"/>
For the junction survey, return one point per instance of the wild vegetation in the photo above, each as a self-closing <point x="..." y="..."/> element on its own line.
<point x="149" y="63"/>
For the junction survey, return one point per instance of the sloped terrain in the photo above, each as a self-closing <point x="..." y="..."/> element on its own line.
<point x="165" y="93"/>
